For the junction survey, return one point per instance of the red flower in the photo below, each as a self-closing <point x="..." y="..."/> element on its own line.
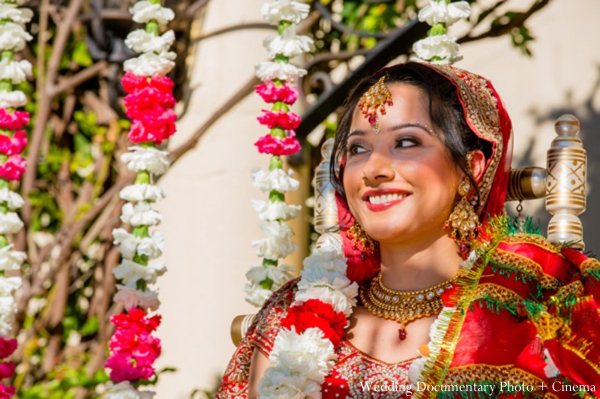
<point x="7" y="370"/>
<point x="6" y="392"/>
<point x="13" y="120"/>
<point x="134" y="349"/>
<point x="275" y="146"/>
<point x="285" y="120"/>
<point x="315" y="313"/>
<point x="153" y="126"/>
<point x="132" y="83"/>
<point x="7" y="347"/>
<point x="14" y="145"/>
<point x="13" y="168"/>
<point x="125" y="368"/>
<point x="271" y="93"/>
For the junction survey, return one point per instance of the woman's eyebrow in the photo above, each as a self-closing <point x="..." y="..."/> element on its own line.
<point x="357" y="132"/>
<point x="413" y="124"/>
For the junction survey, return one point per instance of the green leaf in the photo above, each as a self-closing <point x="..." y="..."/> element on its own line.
<point x="81" y="56"/>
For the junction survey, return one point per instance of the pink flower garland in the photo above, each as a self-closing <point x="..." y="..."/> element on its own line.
<point x="7" y="369"/>
<point x="134" y="349"/>
<point x="268" y="144"/>
<point x="271" y="93"/>
<point x="149" y="104"/>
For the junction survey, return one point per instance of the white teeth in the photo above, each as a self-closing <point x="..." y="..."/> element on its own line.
<point x="382" y="199"/>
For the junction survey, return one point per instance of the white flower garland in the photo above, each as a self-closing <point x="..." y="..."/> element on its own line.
<point x="439" y="47"/>
<point x="155" y="60"/>
<point x="286" y="14"/>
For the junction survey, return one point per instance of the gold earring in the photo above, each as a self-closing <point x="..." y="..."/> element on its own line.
<point x="463" y="220"/>
<point x="358" y="235"/>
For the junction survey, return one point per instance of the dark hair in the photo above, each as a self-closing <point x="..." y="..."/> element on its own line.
<point x="445" y="110"/>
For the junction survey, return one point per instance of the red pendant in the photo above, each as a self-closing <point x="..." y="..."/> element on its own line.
<point x="402" y="334"/>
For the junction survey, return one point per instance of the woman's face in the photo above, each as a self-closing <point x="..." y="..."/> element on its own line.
<point x="401" y="184"/>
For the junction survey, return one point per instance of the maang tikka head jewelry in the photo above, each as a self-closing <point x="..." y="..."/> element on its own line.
<point x="375" y="99"/>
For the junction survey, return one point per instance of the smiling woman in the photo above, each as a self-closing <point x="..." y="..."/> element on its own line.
<point x="445" y="291"/>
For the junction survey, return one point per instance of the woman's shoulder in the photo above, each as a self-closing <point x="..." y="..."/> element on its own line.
<point x="267" y="322"/>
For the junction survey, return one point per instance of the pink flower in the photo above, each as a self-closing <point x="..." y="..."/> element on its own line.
<point x="270" y="93"/>
<point x="134" y="349"/>
<point x="285" y="120"/>
<point x="6" y="392"/>
<point x="7" y="347"/>
<point x="136" y="318"/>
<point x="132" y="82"/>
<point x="154" y="126"/>
<point x="14" y="145"/>
<point x="13" y="120"/>
<point x="272" y="145"/>
<point x="13" y="168"/>
<point x="124" y="368"/>
<point x="7" y="370"/>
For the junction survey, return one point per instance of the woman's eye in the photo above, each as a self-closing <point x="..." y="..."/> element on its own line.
<point x="406" y="142"/>
<point x="354" y="149"/>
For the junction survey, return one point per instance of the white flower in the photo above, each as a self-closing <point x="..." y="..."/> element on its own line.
<point x="145" y="11"/>
<point x="278" y="274"/>
<point x="15" y="71"/>
<point x="309" y="353"/>
<point x="288" y="43"/>
<point x="12" y="199"/>
<point x="8" y="309"/>
<point x="443" y="46"/>
<point x="10" y="223"/>
<point x="130" y="298"/>
<point x="340" y="293"/>
<point x="13" y="37"/>
<point x="149" y="159"/>
<point x="143" y="42"/>
<point x="11" y="260"/>
<point x="268" y="210"/>
<point x="280" y="384"/>
<point x="256" y="295"/>
<point x="441" y="12"/>
<point x="142" y="192"/>
<point x="151" y="64"/>
<point x="277" y="243"/>
<point x="140" y="214"/>
<point x="276" y="179"/>
<point x="269" y="70"/>
<point x="284" y="10"/>
<point x="12" y="99"/>
<point x="125" y="390"/>
<point x="17" y="15"/>
<point x="415" y="369"/>
<point x="550" y="369"/>
<point x="130" y="272"/>
<point x="152" y="246"/>
<point x="8" y="285"/>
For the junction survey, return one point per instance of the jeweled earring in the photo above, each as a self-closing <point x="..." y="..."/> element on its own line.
<point x="358" y="235"/>
<point x="463" y="220"/>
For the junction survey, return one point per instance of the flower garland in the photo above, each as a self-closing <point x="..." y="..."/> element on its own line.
<point x="13" y="140"/>
<point x="438" y="47"/>
<point x="149" y="104"/>
<point x="276" y="75"/>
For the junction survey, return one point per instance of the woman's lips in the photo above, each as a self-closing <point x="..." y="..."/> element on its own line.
<point x="378" y="201"/>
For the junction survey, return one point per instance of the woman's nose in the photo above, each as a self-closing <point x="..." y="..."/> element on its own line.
<point x="378" y="168"/>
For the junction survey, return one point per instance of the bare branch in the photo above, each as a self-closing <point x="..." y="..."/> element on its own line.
<point x="244" y="26"/>
<point x="77" y="79"/>
<point x="504" y="29"/>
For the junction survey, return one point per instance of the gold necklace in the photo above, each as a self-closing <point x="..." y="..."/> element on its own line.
<point x="402" y="306"/>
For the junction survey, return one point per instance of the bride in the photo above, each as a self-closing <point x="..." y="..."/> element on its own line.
<point x="454" y="299"/>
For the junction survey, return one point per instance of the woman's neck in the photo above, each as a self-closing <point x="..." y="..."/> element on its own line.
<point x="415" y="266"/>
